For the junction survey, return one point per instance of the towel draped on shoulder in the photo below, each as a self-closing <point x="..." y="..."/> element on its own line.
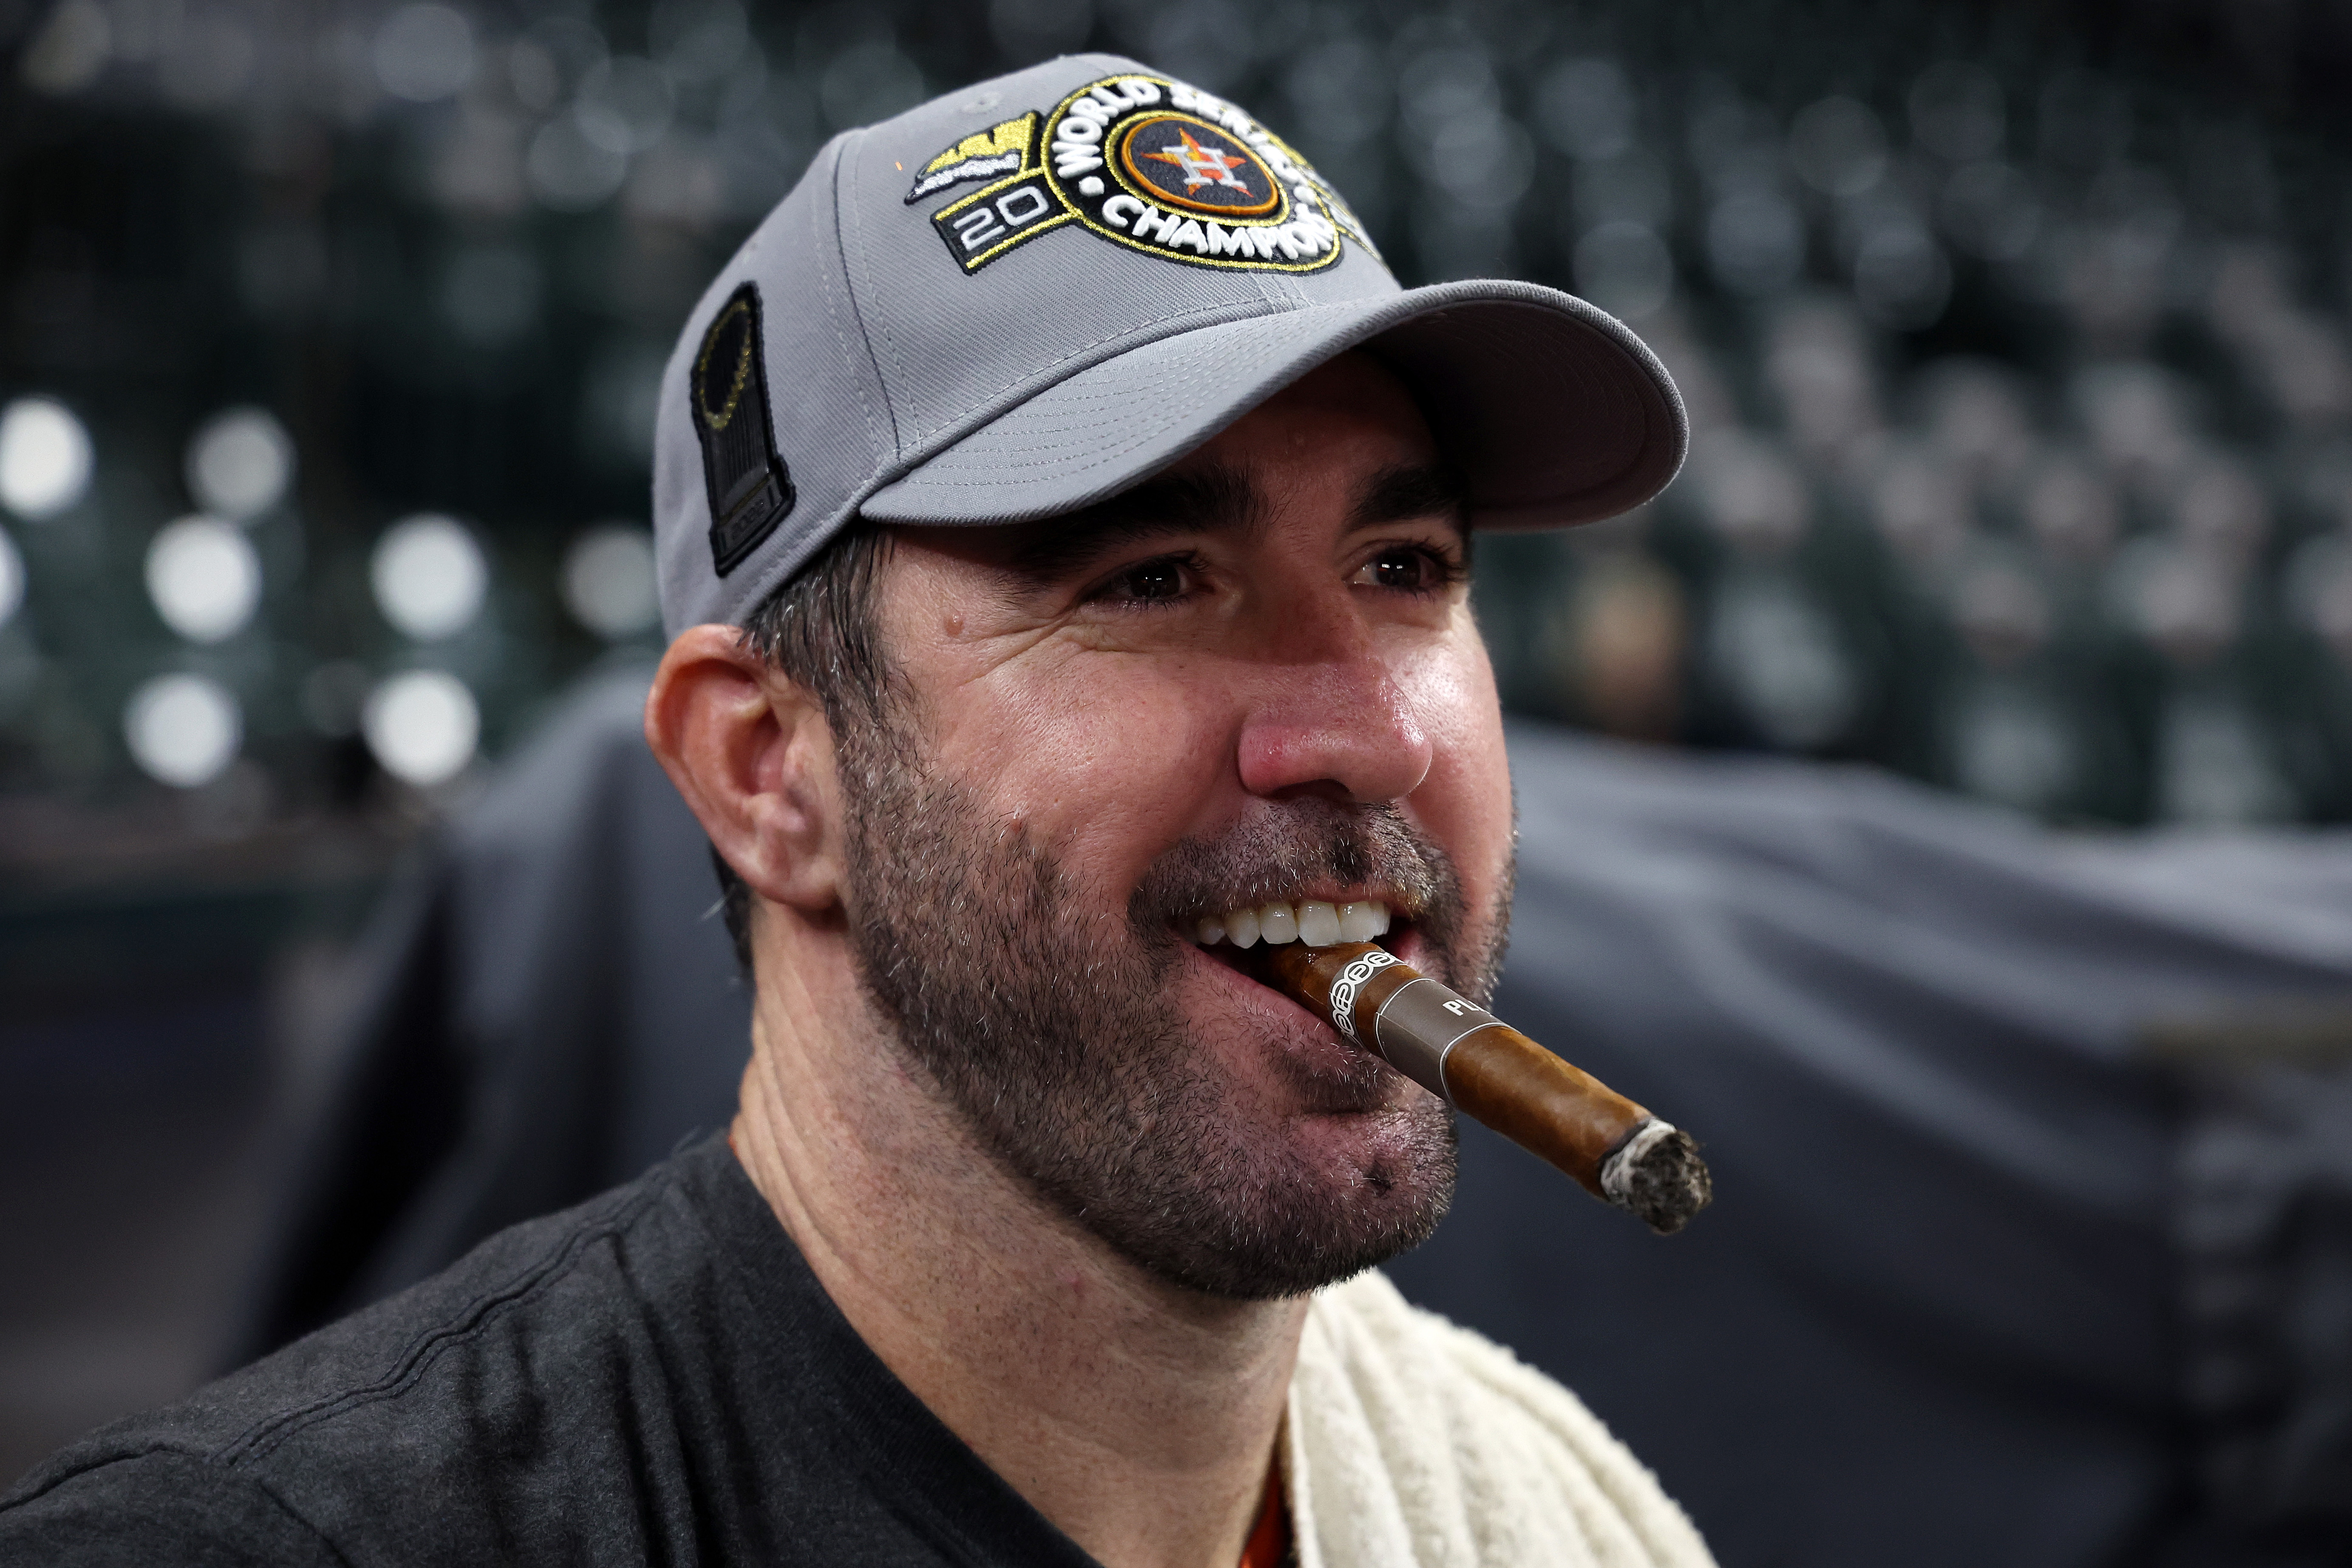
<point x="1411" y="1443"/>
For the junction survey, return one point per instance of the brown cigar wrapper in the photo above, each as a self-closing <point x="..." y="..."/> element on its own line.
<point x="1497" y="1077"/>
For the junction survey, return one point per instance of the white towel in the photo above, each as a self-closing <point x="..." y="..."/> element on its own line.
<point x="1414" y="1443"/>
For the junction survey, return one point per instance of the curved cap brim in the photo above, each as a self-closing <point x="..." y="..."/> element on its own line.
<point x="1555" y="413"/>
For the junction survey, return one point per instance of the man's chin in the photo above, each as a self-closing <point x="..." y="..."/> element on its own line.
<point x="1378" y="1148"/>
<point x="1285" y="1206"/>
<point x="1293" y="1161"/>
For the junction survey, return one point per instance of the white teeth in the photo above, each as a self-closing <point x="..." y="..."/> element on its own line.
<point x="1314" y="922"/>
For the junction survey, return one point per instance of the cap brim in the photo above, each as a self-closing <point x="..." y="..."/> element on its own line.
<point x="1553" y="410"/>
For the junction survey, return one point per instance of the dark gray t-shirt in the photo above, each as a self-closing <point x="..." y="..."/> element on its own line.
<point x="654" y="1378"/>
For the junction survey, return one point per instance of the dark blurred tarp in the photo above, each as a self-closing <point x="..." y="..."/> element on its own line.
<point x="2033" y="1243"/>
<point x="544" y="1011"/>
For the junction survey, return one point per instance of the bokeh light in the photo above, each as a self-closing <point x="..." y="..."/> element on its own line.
<point x="623" y="104"/>
<point x="429" y="577"/>
<point x="608" y="581"/>
<point x="240" y="463"/>
<point x="568" y="172"/>
<point x="1625" y="269"/>
<point x="424" y="52"/>
<point x="44" y="459"/>
<point x="204" y="578"/>
<point x="1587" y="109"/>
<point x="1838" y="147"/>
<point x="70" y="51"/>
<point x="182" y="730"/>
<point x="1756" y="242"/>
<point x="422" y="726"/>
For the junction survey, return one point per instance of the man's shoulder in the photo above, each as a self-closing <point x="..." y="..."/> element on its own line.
<point x="504" y="1355"/>
<point x="1405" y="1425"/>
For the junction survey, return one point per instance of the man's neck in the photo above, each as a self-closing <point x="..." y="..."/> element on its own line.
<point x="1138" y="1416"/>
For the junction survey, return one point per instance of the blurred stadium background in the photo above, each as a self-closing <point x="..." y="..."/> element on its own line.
<point x="2013" y="336"/>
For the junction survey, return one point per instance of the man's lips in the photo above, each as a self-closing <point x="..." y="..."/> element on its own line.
<point x="1236" y="940"/>
<point x="1327" y="1072"/>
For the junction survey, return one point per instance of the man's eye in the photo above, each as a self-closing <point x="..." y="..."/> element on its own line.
<point x="1413" y="571"/>
<point x="1162" y="579"/>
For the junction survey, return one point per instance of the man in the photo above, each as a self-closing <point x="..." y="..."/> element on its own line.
<point x="1063" y="526"/>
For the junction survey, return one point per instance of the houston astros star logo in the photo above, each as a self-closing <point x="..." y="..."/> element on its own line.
<point x="1201" y="165"/>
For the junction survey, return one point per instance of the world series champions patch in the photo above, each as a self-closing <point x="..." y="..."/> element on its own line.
<point x="1147" y="162"/>
<point x="751" y="490"/>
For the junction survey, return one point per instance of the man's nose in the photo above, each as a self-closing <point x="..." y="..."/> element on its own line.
<point x="1341" y="727"/>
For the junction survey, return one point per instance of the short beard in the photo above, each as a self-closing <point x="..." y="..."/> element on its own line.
<point x="1058" y="1039"/>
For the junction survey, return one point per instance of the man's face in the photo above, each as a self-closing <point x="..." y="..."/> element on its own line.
<point x="1254" y="679"/>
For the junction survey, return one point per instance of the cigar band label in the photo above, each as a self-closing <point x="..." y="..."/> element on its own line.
<point x="1419" y="1023"/>
<point x="1351" y="979"/>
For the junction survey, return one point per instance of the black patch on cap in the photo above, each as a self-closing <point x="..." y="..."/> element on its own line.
<point x="750" y="490"/>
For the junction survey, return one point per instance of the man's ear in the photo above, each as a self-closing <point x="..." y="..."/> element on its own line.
<point x="753" y="754"/>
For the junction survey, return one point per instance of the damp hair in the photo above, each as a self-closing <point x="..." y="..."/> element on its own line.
<point x="821" y="630"/>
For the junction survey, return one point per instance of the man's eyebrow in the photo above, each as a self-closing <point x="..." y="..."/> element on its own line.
<point x="1411" y="491"/>
<point x="1210" y="500"/>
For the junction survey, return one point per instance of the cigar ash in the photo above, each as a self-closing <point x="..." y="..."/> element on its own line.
<point x="1656" y="1175"/>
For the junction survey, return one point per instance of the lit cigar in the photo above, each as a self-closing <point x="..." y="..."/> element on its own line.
<point x="1461" y="1053"/>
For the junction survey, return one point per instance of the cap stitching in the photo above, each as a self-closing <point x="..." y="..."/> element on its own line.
<point x="865" y="341"/>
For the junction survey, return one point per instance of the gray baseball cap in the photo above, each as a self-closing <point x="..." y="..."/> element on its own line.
<point x="1029" y="295"/>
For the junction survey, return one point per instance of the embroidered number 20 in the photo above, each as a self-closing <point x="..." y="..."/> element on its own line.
<point x="990" y="221"/>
